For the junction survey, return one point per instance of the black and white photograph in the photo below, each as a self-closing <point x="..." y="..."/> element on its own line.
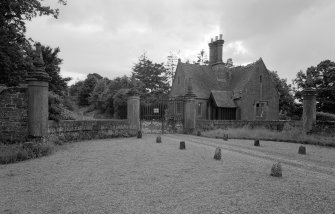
<point x="167" y="107"/>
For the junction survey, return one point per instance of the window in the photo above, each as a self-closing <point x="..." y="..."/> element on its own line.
<point x="199" y="109"/>
<point x="260" y="109"/>
<point x="179" y="108"/>
<point x="260" y="78"/>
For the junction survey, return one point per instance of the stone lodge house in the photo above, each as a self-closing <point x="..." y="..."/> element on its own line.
<point x="228" y="93"/>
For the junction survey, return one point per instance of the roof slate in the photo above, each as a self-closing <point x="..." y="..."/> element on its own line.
<point x="223" y="99"/>
<point x="204" y="79"/>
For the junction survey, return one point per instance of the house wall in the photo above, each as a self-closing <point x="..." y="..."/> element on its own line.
<point x="251" y="95"/>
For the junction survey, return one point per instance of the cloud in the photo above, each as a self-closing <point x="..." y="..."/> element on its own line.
<point x="75" y="77"/>
<point x="107" y="36"/>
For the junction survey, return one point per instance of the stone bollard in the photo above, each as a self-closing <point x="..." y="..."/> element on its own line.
<point x="256" y="143"/>
<point x="225" y="137"/>
<point x="276" y="170"/>
<point x="182" y="145"/>
<point x="198" y="133"/>
<point x="302" y="150"/>
<point x="159" y="139"/>
<point x="217" y="155"/>
<point x="139" y="134"/>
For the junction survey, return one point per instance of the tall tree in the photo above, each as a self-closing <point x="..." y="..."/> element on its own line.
<point x="99" y="94"/>
<point x="153" y="76"/>
<point x="87" y="88"/>
<point x="14" y="46"/>
<point x="323" y="80"/>
<point x="171" y="65"/>
<point x="57" y="83"/>
<point x="287" y="106"/>
<point x="120" y="104"/>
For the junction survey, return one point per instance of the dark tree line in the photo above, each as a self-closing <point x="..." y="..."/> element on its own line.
<point x="110" y="96"/>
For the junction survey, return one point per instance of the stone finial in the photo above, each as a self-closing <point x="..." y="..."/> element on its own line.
<point x="39" y="66"/>
<point x="38" y="58"/>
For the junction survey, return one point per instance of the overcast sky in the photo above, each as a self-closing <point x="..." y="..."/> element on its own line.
<point x="108" y="36"/>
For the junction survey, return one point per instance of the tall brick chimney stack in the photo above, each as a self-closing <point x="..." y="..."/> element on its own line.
<point x="212" y="58"/>
<point x="219" y="45"/>
<point x="215" y="50"/>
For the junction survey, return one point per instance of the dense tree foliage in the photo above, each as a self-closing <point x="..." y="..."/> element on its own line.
<point x="120" y="103"/>
<point x="99" y="93"/>
<point x="171" y="65"/>
<point x="323" y="80"/>
<point x="15" y="48"/>
<point x="287" y="107"/>
<point x="57" y="83"/>
<point x="153" y="76"/>
<point x="87" y="88"/>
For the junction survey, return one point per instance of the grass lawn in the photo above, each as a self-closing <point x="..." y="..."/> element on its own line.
<point x="141" y="176"/>
<point x="289" y="134"/>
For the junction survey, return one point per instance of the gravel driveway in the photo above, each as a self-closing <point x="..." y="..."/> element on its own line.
<point x="140" y="176"/>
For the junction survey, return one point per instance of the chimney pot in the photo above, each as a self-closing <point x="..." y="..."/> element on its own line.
<point x="221" y="36"/>
<point x="216" y="38"/>
<point x="212" y="40"/>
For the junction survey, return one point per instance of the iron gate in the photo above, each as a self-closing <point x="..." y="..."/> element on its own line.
<point x="163" y="116"/>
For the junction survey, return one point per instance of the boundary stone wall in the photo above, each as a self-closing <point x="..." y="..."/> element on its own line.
<point x="74" y="130"/>
<point x="13" y="114"/>
<point x="14" y="122"/>
<point x="277" y="125"/>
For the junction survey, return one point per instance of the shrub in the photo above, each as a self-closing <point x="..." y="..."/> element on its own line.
<point x="288" y="134"/>
<point x="19" y="152"/>
<point x="55" y="110"/>
<point x="69" y="103"/>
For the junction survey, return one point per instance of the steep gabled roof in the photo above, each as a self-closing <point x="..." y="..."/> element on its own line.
<point x="223" y="99"/>
<point x="204" y="79"/>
